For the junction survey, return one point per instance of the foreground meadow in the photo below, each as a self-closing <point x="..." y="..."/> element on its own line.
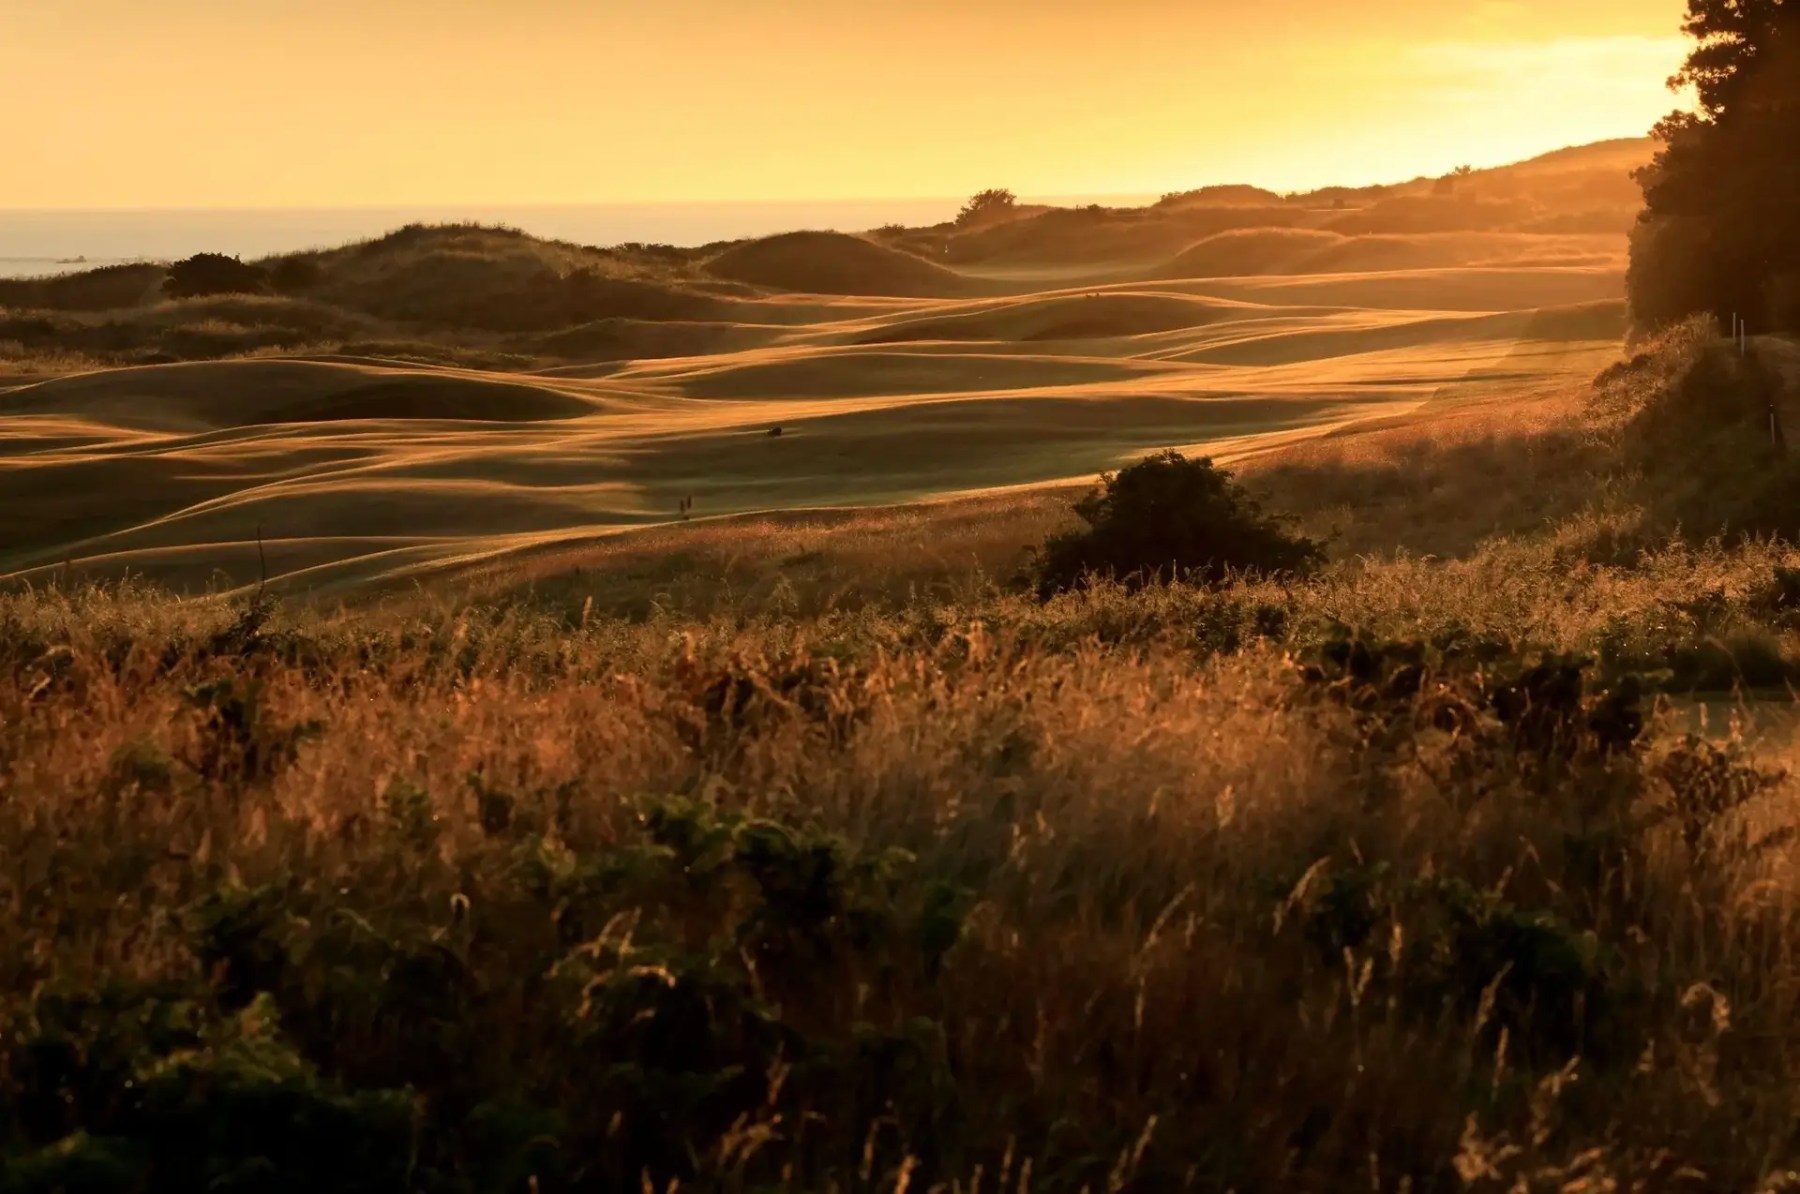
<point x="1469" y="869"/>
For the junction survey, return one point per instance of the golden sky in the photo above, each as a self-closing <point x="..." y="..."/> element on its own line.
<point x="146" y="103"/>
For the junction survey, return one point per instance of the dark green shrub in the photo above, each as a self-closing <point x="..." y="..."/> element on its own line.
<point x="1165" y="518"/>
<point x="136" y="1091"/>
<point x="1468" y="953"/>
<point x="1226" y="623"/>
<point x="214" y="273"/>
<point x="246" y="1113"/>
<point x="1551" y="708"/>
<point x="688" y="973"/>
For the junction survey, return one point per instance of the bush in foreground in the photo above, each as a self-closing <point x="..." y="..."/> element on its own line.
<point x="1167" y="517"/>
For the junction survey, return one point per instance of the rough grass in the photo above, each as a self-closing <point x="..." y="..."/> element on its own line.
<point x="1115" y="888"/>
<point x="1405" y="876"/>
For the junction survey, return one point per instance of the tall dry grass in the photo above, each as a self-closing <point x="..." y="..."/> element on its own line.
<point x="1408" y="877"/>
<point x="1172" y="911"/>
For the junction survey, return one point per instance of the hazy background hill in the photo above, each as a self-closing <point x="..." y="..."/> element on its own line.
<point x="496" y="297"/>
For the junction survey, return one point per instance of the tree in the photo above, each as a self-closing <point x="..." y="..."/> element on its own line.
<point x="1168" y="517"/>
<point x="1720" y="231"/>
<point x="986" y="205"/>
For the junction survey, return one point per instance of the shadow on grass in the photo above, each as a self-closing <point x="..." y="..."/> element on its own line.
<point x="1440" y="490"/>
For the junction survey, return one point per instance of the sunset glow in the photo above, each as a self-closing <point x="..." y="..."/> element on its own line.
<point x="199" y="102"/>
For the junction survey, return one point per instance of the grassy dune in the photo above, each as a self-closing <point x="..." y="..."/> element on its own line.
<point x="357" y="469"/>
<point x="440" y="396"/>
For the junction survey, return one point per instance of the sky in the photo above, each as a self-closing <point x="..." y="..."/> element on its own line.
<point x="228" y="103"/>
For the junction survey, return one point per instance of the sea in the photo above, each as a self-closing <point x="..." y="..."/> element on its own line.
<point x="36" y="242"/>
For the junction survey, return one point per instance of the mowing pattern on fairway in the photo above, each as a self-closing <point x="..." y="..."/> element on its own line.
<point x="357" y="469"/>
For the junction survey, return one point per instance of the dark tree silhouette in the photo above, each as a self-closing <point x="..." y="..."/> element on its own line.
<point x="1167" y="517"/>
<point x="986" y="205"/>
<point x="1720" y="232"/>
<point x="214" y="273"/>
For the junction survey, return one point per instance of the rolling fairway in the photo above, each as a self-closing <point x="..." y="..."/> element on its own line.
<point x="356" y="469"/>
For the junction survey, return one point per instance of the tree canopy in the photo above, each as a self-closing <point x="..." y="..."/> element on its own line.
<point x="1720" y="232"/>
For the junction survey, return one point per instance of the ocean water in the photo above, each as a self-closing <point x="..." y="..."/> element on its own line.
<point x="37" y="242"/>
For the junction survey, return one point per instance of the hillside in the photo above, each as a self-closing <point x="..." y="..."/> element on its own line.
<point x="497" y="298"/>
<point x="577" y="856"/>
<point x="452" y="393"/>
<point x="833" y="263"/>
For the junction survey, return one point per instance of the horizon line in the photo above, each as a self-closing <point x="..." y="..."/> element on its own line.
<point x="551" y="204"/>
<point x="558" y="203"/>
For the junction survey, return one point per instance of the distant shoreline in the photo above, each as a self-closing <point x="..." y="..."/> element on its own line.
<point x="36" y="242"/>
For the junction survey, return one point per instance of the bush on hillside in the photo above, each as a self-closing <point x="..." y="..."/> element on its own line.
<point x="1168" y="517"/>
<point x="986" y="205"/>
<point x="214" y="273"/>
